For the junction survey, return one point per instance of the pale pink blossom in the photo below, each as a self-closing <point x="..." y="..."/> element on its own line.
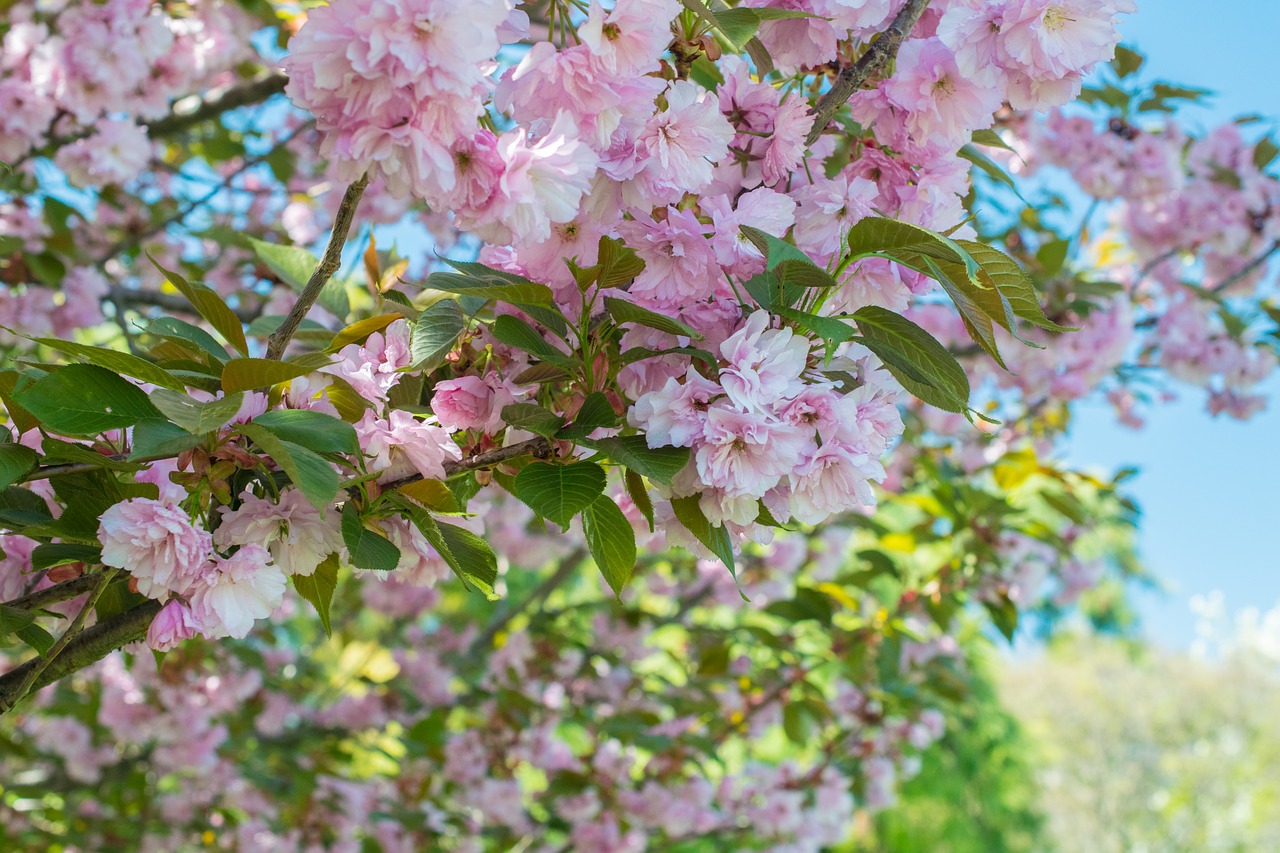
<point x="298" y="535"/>
<point x="764" y="364"/>
<point x="681" y="143"/>
<point x="402" y="445"/>
<point x="677" y="413"/>
<point x="236" y="591"/>
<point x="174" y="623"/>
<point x="746" y="453"/>
<point x="156" y="543"/>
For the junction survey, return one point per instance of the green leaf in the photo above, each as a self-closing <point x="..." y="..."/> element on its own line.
<point x="368" y="550"/>
<point x="611" y="541"/>
<point x="248" y="374"/>
<point x="193" y="416"/>
<point x="1002" y="272"/>
<point x="772" y="294"/>
<point x="209" y="305"/>
<point x="832" y="330"/>
<point x="989" y="138"/>
<point x="56" y="451"/>
<point x="1052" y="255"/>
<point x="596" y="413"/>
<point x="740" y="24"/>
<point x="879" y="235"/>
<point x="532" y="417"/>
<point x="1126" y="61"/>
<point x="36" y="637"/>
<point x="803" y="274"/>
<point x="15" y="460"/>
<point x="14" y="619"/>
<point x="318" y="588"/>
<point x="497" y="286"/>
<point x="641" y="353"/>
<point x="559" y="492"/>
<point x="20" y="508"/>
<point x="313" y="430"/>
<point x="182" y="333"/>
<point x="923" y="366"/>
<point x="775" y="250"/>
<point x="435" y="333"/>
<point x="515" y="332"/>
<point x="160" y="438"/>
<point x="660" y="464"/>
<point x="470" y="557"/>
<point x="976" y="305"/>
<point x="986" y="164"/>
<point x="618" y="263"/>
<point x="639" y="495"/>
<point x="294" y="265"/>
<point x="116" y="362"/>
<point x="1004" y="615"/>
<point x="1264" y="152"/>
<point x="314" y="477"/>
<point x="116" y="598"/>
<point x="623" y="311"/>
<point x="84" y="400"/>
<point x="716" y="539"/>
<point x="61" y="553"/>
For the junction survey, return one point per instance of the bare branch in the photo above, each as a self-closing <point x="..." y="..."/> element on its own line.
<point x="329" y="264"/>
<point x="878" y="54"/>
<point x="64" y="591"/>
<point x="188" y="112"/>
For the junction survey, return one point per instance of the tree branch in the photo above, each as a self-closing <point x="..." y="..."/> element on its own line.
<point x="41" y="670"/>
<point x="539" y="448"/>
<point x="1239" y="274"/>
<point x="324" y="270"/>
<point x="195" y="109"/>
<point x="878" y="54"/>
<point x="64" y="591"/>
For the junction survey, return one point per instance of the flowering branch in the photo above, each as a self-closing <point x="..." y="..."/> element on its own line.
<point x="34" y="670"/>
<point x="879" y="54"/>
<point x="539" y="448"/>
<point x="324" y="270"/>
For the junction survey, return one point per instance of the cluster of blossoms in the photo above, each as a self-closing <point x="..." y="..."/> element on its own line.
<point x="762" y="432"/>
<point x="570" y="725"/>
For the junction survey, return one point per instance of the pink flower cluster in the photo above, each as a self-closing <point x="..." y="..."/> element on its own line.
<point x="770" y="428"/>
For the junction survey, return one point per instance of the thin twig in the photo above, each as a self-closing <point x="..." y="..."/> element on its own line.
<point x="539" y="448"/>
<point x="1247" y="268"/>
<point x="42" y="662"/>
<point x="878" y="54"/>
<point x="329" y="264"/>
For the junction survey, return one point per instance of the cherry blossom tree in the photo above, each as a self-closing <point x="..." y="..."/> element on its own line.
<point x="566" y="425"/>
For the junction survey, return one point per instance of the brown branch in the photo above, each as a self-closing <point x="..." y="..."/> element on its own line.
<point x="539" y="448"/>
<point x="191" y="111"/>
<point x="89" y="647"/>
<point x="10" y="697"/>
<point x="64" y="591"/>
<point x="878" y="54"/>
<point x="324" y="270"/>
<point x="1247" y="268"/>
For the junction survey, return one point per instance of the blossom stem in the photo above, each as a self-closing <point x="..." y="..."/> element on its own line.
<point x="878" y="54"/>
<point x="324" y="270"/>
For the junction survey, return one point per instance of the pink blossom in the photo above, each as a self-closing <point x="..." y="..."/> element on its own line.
<point x="462" y="403"/>
<point x="764" y="364"/>
<point x="298" y="535"/>
<point x="1057" y="38"/>
<point x="761" y="208"/>
<point x="746" y="453"/>
<point x="676" y="414"/>
<point x="156" y="543"/>
<point x="236" y="591"/>
<point x="832" y="479"/>
<point x="828" y="208"/>
<point x="681" y="143"/>
<point x="941" y="102"/>
<point x="402" y="445"/>
<point x="374" y="367"/>
<point x="117" y="152"/>
<point x="680" y="263"/>
<point x="174" y="623"/>
<point x="628" y="39"/>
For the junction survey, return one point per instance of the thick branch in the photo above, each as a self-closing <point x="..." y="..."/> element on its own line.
<point x="188" y="112"/>
<point x="89" y="647"/>
<point x="878" y="54"/>
<point x="64" y="591"/>
<point x="324" y="270"/>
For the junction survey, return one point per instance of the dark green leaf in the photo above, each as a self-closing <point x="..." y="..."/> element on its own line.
<point x="184" y="333"/>
<point x="314" y="477"/>
<point x="623" y="311"/>
<point x="532" y="417"/>
<point x="435" y="333"/>
<point x="194" y="416"/>
<point x="716" y="539"/>
<point x="660" y="464"/>
<point x="468" y="555"/>
<point x="209" y="305"/>
<point x="153" y="438"/>
<point x="368" y="550"/>
<point x="611" y="541"/>
<point x="596" y="413"/>
<point x="522" y="292"/>
<point x="294" y="266"/>
<point x="15" y="460"/>
<point x="318" y="588"/>
<point x="313" y="430"/>
<point x="559" y="492"/>
<point x="61" y="553"/>
<point x="923" y="366"/>
<point x="116" y="362"/>
<point x="515" y="332"/>
<point x="81" y="399"/>
<point x="639" y="495"/>
<point x="247" y="374"/>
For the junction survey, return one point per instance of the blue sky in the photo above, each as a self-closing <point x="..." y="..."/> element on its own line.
<point x="1208" y="486"/>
